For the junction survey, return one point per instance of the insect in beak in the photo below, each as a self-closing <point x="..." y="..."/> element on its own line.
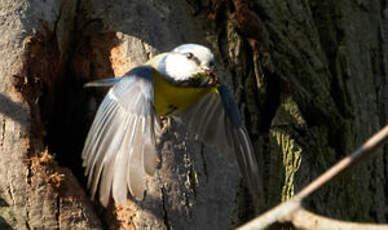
<point x="212" y="77"/>
<point x="208" y="71"/>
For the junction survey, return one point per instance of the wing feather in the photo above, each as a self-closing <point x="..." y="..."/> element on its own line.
<point x="120" y="148"/>
<point x="216" y="120"/>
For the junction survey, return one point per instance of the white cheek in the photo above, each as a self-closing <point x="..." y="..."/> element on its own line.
<point x="180" y="68"/>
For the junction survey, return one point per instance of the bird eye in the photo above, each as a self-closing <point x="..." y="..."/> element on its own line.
<point x="189" y="55"/>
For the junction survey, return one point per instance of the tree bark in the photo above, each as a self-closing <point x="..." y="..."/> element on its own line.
<point x="310" y="79"/>
<point x="331" y="57"/>
<point x="35" y="192"/>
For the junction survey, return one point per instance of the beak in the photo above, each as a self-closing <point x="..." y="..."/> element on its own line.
<point x="212" y="77"/>
<point x="208" y="71"/>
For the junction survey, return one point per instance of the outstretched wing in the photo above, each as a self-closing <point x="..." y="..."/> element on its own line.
<point x="216" y="119"/>
<point x="120" y="147"/>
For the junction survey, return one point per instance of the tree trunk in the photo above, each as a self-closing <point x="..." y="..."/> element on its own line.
<point x="310" y="79"/>
<point x="35" y="192"/>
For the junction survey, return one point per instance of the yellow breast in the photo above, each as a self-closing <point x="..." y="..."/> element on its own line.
<point x="169" y="99"/>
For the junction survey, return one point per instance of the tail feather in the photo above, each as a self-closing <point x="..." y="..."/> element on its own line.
<point x="108" y="82"/>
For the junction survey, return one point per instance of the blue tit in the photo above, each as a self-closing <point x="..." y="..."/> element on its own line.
<point x="120" y="149"/>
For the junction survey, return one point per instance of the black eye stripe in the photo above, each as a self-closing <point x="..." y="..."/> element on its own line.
<point x="196" y="60"/>
<point x="191" y="56"/>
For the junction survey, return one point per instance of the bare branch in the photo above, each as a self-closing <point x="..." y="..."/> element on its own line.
<point x="280" y="212"/>
<point x="303" y="219"/>
<point x="292" y="211"/>
<point x="371" y="145"/>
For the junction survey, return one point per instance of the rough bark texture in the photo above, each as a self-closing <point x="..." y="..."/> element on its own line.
<point x="196" y="187"/>
<point x="332" y="60"/>
<point x="35" y="193"/>
<point x="310" y="78"/>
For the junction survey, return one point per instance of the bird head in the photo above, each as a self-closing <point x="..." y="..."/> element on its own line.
<point x="189" y="61"/>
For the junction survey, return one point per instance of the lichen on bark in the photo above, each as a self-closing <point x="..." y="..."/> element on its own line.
<point x="310" y="78"/>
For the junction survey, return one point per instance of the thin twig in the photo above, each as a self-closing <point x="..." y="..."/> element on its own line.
<point x="285" y="211"/>
<point x="371" y="145"/>
<point x="303" y="219"/>
<point x="280" y="212"/>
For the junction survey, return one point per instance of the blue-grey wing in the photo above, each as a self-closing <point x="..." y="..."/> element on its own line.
<point x="216" y="120"/>
<point x="120" y="146"/>
<point x="107" y="82"/>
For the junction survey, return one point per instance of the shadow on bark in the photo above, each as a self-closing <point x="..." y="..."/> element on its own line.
<point x="12" y="109"/>
<point x="4" y="225"/>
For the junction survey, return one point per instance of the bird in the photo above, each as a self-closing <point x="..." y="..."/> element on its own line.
<point x="120" y="148"/>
